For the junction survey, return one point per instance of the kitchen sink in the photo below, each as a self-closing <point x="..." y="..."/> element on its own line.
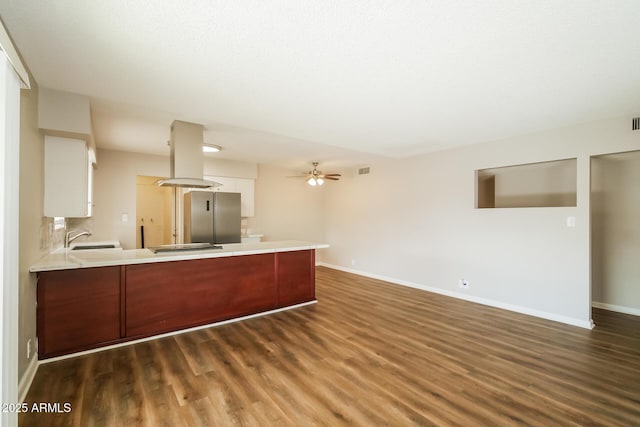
<point x="96" y="244"/>
<point x="83" y="247"/>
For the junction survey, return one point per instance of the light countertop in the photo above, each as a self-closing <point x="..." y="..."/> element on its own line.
<point x="66" y="259"/>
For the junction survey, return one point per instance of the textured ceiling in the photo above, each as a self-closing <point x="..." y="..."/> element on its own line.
<point x="279" y="81"/>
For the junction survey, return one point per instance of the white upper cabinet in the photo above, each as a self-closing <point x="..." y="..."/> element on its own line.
<point x="69" y="153"/>
<point x="68" y="178"/>
<point x="228" y="185"/>
<point x="244" y="186"/>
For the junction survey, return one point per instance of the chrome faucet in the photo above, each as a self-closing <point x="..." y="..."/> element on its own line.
<point x="68" y="239"/>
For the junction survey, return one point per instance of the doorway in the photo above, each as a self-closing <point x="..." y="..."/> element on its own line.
<point x="154" y="213"/>
<point x="615" y="232"/>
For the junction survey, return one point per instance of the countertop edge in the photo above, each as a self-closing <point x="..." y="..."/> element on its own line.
<point x="63" y="260"/>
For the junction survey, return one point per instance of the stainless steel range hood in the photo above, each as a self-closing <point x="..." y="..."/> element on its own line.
<point x="188" y="183"/>
<point x="187" y="159"/>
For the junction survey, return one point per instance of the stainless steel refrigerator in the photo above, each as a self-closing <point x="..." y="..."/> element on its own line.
<point x="211" y="217"/>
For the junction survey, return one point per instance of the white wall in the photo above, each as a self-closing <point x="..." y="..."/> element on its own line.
<point x="230" y="168"/>
<point x="115" y="190"/>
<point x="36" y="233"/>
<point x="115" y="193"/>
<point x="9" y="214"/>
<point x="287" y="208"/>
<point x="414" y="220"/>
<point x="64" y="112"/>
<point x="31" y="227"/>
<point x="616" y="231"/>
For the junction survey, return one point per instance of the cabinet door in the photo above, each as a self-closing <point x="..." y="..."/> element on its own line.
<point x="296" y="277"/>
<point x="168" y="296"/>
<point x="228" y="184"/>
<point x="77" y="309"/>
<point x="67" y="178"/>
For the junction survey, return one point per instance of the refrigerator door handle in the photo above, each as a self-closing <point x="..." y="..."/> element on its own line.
<point x="208" y="206"/>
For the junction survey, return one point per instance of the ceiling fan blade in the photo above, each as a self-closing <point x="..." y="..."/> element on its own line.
<point x="332" y="174"/>
<point x="331" y="178"/>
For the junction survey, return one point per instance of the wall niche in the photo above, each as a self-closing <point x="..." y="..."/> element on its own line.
<point x="532" y="185"/>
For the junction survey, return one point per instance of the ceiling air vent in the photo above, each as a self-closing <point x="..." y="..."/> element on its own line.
<point x="363" y="171"/>
<point x="635" y="123"/>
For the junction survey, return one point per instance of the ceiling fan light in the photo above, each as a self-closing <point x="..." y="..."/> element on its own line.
<point x="210" y="148"/>
<point x="315" y="177"/>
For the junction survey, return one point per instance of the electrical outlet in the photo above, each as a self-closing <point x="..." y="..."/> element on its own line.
<point x="464" y="284"/>
<point x="29" y="349"/>
<point x="353" y="261"/>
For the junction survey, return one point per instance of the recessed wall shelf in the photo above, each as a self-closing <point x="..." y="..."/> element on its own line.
<point x="545" y="184"/>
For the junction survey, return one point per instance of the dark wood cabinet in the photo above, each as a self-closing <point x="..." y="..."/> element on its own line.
<point x="162" y="297"/>
<point x="296" y="277"/>
<point x="85" y="308"/>
<point x="78" y="309"/>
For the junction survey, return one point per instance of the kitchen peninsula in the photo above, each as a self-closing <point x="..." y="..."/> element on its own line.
<point x="95" y="298"/>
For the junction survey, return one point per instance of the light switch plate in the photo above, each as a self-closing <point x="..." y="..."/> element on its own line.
<point x="125" y="217"/>
<point x="571" y="221"/>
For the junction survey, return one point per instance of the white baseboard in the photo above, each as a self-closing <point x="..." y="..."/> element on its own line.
<point x="181" y="331"/>
<point x="27" y="378"/>
<point x="616" y="308"/>
<point x="587" y="324"/>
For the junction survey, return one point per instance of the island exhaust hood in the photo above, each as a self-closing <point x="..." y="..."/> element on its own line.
<point x="187" y="159"/>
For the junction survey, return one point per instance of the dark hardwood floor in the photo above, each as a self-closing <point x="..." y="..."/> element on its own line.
<point x="370" y="354"/>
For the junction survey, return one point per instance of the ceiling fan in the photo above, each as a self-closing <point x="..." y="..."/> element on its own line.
<point x="315" y="177"/>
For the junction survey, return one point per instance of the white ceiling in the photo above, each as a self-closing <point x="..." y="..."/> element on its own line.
<point x="292" y="81"/>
